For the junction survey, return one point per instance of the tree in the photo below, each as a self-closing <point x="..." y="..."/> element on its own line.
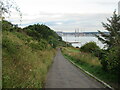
<point x="111" y="58"/>
<point x="113" y="27"/>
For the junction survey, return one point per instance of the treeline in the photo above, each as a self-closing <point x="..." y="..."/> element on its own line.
<point x="37" y="31"/>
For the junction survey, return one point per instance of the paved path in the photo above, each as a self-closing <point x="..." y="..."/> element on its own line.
<point x="63" y="74"/>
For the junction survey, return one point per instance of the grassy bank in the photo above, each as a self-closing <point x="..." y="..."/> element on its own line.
<point x="91" y="64"/>
<point x="25" y="65"/>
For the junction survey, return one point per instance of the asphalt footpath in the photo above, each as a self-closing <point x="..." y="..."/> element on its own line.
<point x="64" y="74"/>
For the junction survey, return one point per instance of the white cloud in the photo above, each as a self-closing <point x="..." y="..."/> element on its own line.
<point x="65" y="15"/>
<point x="58" y="23"/>
<point x="67" y="6"/>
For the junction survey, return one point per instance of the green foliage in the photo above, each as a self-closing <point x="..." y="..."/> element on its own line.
<point x="90" y="63"/>
<point x="7" y="26"/>
<point x="111" y="58"/>
<point x="53" y="42"/>
<point x="43" y="30"/>
<point x="101" y="54"/>
<point x="23" y="36"/>
<point x="10" y="46"/>
<point x="104" y="64"/>
<point x="41" y="45"/>
<point x="39" y="32"/>
<point x="33" y="34"/>
<point x="90" y="47"/>
<point x="27" y="55"/>
<point x="113" y="27"/>
<point x="24" y="66"/>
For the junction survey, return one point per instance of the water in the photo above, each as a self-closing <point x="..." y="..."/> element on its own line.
<point x="82" y="40"/>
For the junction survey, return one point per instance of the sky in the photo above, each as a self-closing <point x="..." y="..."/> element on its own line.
<point x="65" y="15"/>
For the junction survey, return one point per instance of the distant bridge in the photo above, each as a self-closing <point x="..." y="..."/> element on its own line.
<point x="73" y="42"/>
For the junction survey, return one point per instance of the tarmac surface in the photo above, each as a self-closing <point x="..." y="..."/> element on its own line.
<point x="64" y="74"/>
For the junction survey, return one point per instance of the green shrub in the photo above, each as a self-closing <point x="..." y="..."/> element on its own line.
<point x="113" y="58"/>
<point x="110" y="59"/>
<point x="23" y="66"/>
<point x="53" y="42"/>
<point x="7" y="26"/>
<point x="26" y="55"/>
<point x="41" y="45"/>
<point x="89" y="47"/>
<point x="104" y="64"/>
<point x="10" y="46"/>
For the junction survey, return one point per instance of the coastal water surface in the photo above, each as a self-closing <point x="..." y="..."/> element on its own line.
<point x="82" y="40"/>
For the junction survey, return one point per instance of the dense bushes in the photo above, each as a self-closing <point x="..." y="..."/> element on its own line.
<point x="27" y="55"/>
<point x="24" y="66"/>
<point x="41" y="31"/>
<point x="113" y="58"/>
<point x="37" y="32"/>
<point x="110" y="58"/>
<point x="10" y="46"/>
<point x="41" y="45"/>
<point x="7" y="26"/>
<point x="90" y="47"/>
<point x="112" y="54"/>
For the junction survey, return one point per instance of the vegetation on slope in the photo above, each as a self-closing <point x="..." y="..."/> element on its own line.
<point x="27" y="55"/>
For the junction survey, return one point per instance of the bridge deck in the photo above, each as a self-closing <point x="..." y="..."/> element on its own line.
<point x="73" y="42"/>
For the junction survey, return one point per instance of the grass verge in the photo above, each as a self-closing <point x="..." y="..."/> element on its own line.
<point x="91" y="64"/>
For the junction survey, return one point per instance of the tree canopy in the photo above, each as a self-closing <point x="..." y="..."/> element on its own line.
<point x="111" y="58"/>
<point x="113" y="27"/>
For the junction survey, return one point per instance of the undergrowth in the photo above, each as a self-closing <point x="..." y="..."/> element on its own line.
<point x="25" y="61"/>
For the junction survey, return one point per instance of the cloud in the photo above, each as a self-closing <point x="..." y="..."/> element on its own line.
<point x="59" y="23"/>
<point x="65" y="15"/>
<point x="67" y="22"/>
<point x="86" y="22"/>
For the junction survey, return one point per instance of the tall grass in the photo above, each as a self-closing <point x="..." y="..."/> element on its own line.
<point x="24" y="67"/>
<point x="80" y="56"/>
<point x="91" y="64"/>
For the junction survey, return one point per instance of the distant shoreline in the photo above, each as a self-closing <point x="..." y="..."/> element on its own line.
<point x="79" y="33"/>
